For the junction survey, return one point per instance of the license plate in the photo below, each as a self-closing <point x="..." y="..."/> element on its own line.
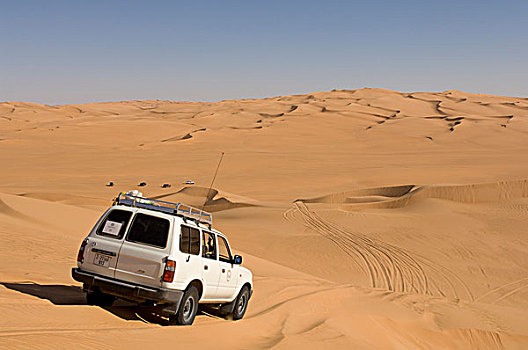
<point x="102" y="260"/>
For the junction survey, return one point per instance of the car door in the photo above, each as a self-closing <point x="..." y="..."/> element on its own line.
<point x="189" y="264"/>
<point x="101" y="252"/>
<point x="211" y="267"/>
<point x="146" y="245"/>
<point x="228" y="277"/>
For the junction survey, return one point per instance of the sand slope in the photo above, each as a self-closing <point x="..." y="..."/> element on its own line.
<point x="371" y="218"/>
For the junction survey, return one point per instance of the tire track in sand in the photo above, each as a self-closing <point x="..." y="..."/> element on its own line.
<point x="387" y="266"/>
<point x="504" y="291"/>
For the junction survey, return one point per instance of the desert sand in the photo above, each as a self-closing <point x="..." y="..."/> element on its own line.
<point x="371" y="219"/>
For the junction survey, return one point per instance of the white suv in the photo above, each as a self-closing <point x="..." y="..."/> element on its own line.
<point x="162" y="254"/>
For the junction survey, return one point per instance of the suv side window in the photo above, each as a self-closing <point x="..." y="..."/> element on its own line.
<point x="149" y="230"/>
<point x="190" y="240"/>
<point x="224" y="254"/>
<point x="209" y="245"/>
<point x="115" y="224"/>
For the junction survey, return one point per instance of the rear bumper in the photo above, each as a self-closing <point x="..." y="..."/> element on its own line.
<point x="127" y="290"/>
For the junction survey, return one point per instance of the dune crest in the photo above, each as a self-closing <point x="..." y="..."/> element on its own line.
<point x="212" y="200"/>
<point x="401" y="196"/>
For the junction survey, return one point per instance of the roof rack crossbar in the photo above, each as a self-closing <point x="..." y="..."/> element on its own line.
<point x="165" y="207"/>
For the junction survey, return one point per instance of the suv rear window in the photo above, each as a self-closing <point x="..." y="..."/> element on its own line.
<point x="149" y="230"/>
<point x="115" y="224"/>
<point x="190" y="240"/>
<point x="209" y="245"/>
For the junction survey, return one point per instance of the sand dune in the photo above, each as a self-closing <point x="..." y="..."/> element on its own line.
<point x="211" y="200"/>
<point x="372" y="219"/>
<point x="400" y="196"/>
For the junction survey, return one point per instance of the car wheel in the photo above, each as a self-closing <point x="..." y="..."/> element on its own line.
<point x="187" y="309"/>
<point x="99" y="299"/>
<point x="241" y="303"/>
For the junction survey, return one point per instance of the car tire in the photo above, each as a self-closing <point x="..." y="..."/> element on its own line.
<point x="187" y="309"/>
<point x="241" y="304"/>
<point x="99" y="299"/>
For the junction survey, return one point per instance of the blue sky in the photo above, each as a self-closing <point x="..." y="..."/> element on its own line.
<point x="59" y="52"/>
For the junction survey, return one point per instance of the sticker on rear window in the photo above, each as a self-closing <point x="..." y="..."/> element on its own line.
<point x="112" y="228"/>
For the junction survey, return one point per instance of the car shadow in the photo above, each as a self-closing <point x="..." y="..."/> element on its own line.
<point x="59" y="294"/>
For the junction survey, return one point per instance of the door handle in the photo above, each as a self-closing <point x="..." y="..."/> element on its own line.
<point x="206" y="267"/>
<point x="223" y="270"/>
<point x="102" y="251"/>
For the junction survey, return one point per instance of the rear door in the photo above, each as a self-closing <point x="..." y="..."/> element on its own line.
<point x="146" y="245"/>
<point x="211" y="267"/>
<point x="228" y="277"/>
<point x="101" y="253"/>
<point x="189" y="261"/>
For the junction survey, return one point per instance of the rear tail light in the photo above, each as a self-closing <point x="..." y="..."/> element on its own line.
<point x="170" y="268"/>
<point x="80" y="255"/>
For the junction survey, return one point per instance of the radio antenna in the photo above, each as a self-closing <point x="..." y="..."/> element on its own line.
<point x="212" y="182"/>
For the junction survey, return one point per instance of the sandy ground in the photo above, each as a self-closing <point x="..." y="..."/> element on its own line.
<point x="371" y="219"/>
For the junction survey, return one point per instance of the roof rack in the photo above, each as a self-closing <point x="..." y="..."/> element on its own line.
<point x="165" y="207"/>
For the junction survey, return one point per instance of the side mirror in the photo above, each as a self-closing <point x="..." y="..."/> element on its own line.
<point x="237" y="260"/>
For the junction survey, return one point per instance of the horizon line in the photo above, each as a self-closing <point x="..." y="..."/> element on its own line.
<point x="259" y="98"/>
